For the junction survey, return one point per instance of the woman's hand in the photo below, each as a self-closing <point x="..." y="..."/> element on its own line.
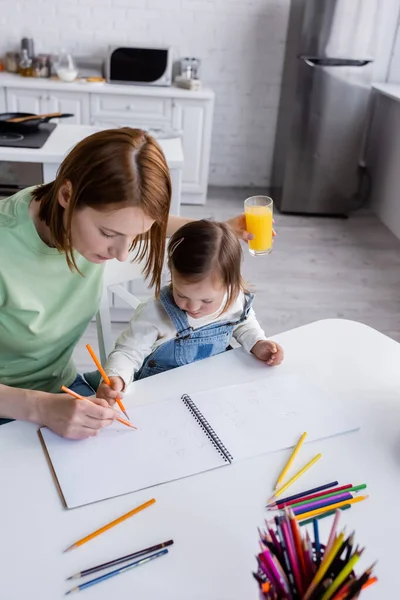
<point x="238" y="224"/>
<point x="111" y="392"/>
<point x="269" y="352"/>
<point x="74" y="419"/>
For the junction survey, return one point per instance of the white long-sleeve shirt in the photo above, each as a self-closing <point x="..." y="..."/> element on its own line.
<point x="151" y="326"/>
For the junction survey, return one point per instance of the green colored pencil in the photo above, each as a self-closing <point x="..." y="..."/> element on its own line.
<point x="355" y="488"/>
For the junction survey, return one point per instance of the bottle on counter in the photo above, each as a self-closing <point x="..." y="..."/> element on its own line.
<point x="25" y="64"/>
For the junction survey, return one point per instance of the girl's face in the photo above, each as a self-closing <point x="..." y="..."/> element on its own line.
<point x="100" y="236"/>
<point x="198" y="299"/>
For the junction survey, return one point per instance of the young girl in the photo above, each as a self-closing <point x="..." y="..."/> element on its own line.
<point x="196" y="316"/>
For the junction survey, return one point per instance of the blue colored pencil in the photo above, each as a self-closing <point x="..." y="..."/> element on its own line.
<point x="132" y="565"/>
<point x="306" y="493"/>
<point x="317" y="542"/>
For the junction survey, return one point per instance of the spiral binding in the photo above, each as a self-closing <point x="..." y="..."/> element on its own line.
<point x="206" y="427"/>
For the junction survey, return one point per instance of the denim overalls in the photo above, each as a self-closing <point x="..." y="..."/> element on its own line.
<point x="189" y="344"/>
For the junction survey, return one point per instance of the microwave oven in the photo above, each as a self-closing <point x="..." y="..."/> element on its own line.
<point x="139" y="65"/>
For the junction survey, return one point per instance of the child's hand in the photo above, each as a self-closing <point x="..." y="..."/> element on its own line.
<point x="111" y="393"/>
<point x="268" y="351"/>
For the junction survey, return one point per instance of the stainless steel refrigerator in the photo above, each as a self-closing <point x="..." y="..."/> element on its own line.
<point x="323" y="105"/>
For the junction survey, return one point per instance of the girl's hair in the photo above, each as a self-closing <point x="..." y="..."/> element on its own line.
<point x="203" y="248"/>
<point x="113" y="168"/>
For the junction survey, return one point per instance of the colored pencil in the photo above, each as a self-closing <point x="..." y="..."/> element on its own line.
<point x="314" y="497"/>
<point x="306" y="493"/>
<point x="317" y="542"/>
<point x="112" y="524"/>
<point x="295" y="567"/>
<point x="324" y="566"/>
<point x="314" y="513"/>
<point x="122" y="559"/>
<point x="79" y="397"/>
<point x="291" y="459"/>
<point x="341" y="578"/>
<point x="333" y="531"/>
<point x="298" y="546"/>
<point x="321" y="503"/>
<point x="296" y="477"/>
<point x="137" y="563"/>
<point x="105" y="376"/>
<point x="343" y="595"/>
<point x="330" y="513"/>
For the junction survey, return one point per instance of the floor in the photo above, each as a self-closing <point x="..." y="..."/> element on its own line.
<point x="320" y="268"/>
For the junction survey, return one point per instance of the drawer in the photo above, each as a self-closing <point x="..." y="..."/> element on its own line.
<point x="137" y="108"/>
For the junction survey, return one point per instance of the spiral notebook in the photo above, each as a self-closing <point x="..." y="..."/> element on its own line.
<point x="184" y="436"/>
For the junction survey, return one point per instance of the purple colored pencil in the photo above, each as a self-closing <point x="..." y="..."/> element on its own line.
<point x="300" y="510"/>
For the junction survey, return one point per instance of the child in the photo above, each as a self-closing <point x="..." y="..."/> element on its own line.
<point x="196" y="316"/>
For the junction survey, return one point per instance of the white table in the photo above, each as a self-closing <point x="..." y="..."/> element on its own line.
<point x="64" y="137"/>
<point x="213" y="517"/>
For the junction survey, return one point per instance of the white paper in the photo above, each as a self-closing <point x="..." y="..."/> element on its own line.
<point x="168" y="445"/>
<point x="271" y="413"/>
<point x="253" y="418"/>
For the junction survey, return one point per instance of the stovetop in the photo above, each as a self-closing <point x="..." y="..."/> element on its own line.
<point x="36" y="139"/>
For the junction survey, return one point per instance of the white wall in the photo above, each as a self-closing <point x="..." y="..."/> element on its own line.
<point x="240" y="42"/>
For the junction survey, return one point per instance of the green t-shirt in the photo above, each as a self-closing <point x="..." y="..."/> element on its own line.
<point x="44" y="307"/>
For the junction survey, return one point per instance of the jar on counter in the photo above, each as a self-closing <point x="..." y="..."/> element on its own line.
<point x="12" y="60"/>
<point x="25" y="64"/>
<point x="41" y="66"/>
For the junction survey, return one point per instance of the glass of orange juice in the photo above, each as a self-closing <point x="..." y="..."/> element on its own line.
<point x="258" y="211"/>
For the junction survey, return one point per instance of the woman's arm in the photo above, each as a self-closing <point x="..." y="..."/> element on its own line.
<point x="237" y="223"/>
<point x="71" y="418"/>
<point x="17" y="403"/>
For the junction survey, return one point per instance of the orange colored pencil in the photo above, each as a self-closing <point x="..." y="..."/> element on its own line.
<point x="105" y="376"/>
<point x="112" y="524"/>
<point x="79" y="397"/>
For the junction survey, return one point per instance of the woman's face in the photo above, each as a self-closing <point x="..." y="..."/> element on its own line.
<point x="103" y="235"/>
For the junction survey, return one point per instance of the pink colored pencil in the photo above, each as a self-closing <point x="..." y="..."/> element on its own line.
<point x="292" y="555"/>
<point x="332" y="533"/>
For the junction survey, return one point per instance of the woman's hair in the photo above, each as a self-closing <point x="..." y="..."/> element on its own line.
<point x="203" y="248"/>
<point x="113" y="168"/>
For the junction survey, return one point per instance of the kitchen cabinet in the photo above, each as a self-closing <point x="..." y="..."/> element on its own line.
<point x="164" y="111"/>
<point x="47" y="101"/>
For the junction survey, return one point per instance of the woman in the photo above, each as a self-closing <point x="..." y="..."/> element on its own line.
<point x="112" y="192"/>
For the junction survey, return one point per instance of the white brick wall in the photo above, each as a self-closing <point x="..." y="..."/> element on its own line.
<point x="240" y="43"/>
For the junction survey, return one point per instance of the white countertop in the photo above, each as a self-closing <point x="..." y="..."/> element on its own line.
<point x="392" y="90"/>
<point x="16" y="81"/>
<point x="64" y="137"/>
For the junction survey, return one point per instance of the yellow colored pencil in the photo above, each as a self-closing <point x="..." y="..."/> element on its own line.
<point x="295" y="477"/>
<point x="324" y="566"/>
<point x="109" y="525"/>
<point x="290" y="461"/>
<point x="343" y="575"/>
<point x="320" y="511"/>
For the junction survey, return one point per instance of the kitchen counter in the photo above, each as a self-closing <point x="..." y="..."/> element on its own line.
<point x="64" y="137"/>
<point x="392" y="90"/>
<point x="36" y="83"/>
<point x="383" y="154"/>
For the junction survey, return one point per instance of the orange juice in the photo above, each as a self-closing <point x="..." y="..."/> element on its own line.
<point x="259" y="223"/>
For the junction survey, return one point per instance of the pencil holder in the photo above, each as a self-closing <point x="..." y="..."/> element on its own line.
<point x="292" y="567"/>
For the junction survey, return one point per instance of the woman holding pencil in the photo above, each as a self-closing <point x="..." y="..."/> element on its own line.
<point x="111" y="192"/>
